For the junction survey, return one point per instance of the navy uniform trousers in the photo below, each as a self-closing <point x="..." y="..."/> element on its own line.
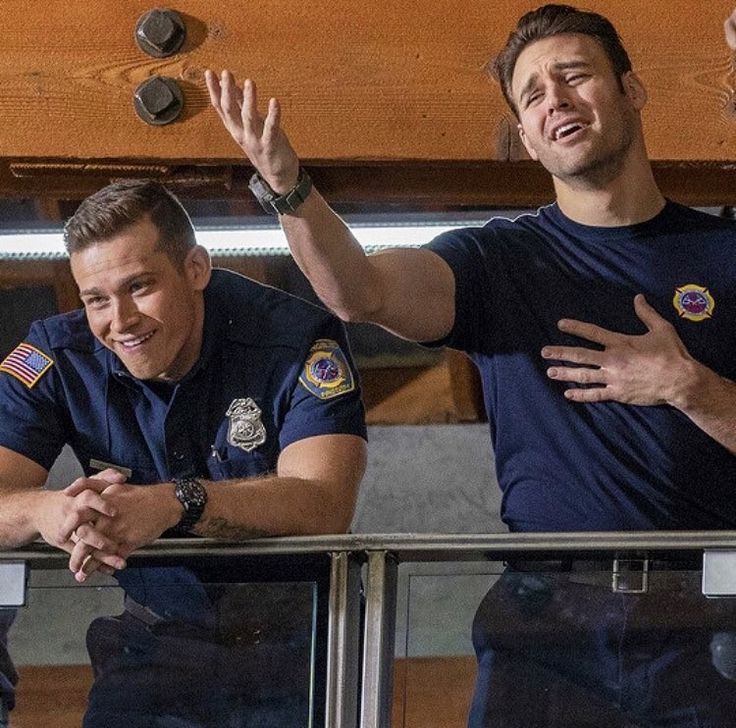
<point x="562" y="650"/>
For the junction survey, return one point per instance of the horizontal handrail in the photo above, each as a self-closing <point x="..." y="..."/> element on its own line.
<point x="416" y="546"/>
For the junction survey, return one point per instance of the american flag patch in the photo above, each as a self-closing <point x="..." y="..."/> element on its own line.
<point x="26" y="363"/>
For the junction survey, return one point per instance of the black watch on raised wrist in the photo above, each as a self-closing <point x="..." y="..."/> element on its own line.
<point x="193" y="497"/>
<point x="274" y="203"/>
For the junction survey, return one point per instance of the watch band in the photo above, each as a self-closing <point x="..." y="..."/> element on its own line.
<point x="193" y="497"/>
<point x="276" y="204"/>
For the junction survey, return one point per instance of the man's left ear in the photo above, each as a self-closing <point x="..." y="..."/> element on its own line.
<point x="634" y="90"/>
<point x="198" y="267"/>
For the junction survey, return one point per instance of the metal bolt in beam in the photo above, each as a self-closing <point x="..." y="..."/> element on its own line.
<point x="160" y="32"/>
<point x="158" y="100"/>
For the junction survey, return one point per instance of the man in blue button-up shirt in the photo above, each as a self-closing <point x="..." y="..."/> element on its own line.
<point x="234" y="404"/>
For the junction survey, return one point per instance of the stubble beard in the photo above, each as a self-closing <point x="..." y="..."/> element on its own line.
<point x="596" y="170"/>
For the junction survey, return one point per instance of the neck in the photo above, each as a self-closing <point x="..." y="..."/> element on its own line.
<point x="630" y="196"/>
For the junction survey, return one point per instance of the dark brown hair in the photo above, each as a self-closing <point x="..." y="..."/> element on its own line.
<point x="550" y="20"/>
<point x="111" y="210"/>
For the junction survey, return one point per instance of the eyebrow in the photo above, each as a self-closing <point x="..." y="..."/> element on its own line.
<point x="560" y="66"/>
<point x="125" y="282"/>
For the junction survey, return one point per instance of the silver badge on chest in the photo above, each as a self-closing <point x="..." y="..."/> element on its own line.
<point x="245" y="429"/>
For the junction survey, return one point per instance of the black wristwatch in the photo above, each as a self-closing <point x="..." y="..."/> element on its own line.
<point x="276" y="204"/>
<point x="193" y="497"/>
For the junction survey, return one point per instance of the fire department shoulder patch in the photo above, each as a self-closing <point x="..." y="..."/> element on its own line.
<point x="326" y="372"/>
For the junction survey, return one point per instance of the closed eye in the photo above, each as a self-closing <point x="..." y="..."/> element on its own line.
<point x="532" y="98"/>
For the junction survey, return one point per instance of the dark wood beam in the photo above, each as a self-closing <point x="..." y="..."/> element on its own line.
<point x="359" y="187"/>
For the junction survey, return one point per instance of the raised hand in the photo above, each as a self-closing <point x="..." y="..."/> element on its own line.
<point x="261" y="138"/>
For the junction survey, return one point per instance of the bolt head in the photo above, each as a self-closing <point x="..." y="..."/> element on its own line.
<point x="158" y="100"/>
<point x="160" y="32"/>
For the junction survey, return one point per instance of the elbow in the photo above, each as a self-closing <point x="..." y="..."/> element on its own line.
<point x="337" y="521"/>
<point x="350" y="315"/>
<point x="336" y="514"/>
<point x="355" y="312"/>
<point x="354" y="305"/>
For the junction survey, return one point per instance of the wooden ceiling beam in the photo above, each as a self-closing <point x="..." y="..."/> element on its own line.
<point x="418" y="186"/>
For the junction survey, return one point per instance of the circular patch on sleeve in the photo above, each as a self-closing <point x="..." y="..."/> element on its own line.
<point x="326" y="372"/>
<point x="693" y="302"/>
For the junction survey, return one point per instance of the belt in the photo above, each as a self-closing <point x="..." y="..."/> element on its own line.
<point x="625" y="576"/>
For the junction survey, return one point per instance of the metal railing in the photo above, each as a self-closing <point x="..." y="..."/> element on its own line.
<point x="364" y="567"/>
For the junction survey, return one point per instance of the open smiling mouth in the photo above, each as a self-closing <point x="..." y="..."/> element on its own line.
<point x="567" y="130"/>
<point x="132" y="344"/>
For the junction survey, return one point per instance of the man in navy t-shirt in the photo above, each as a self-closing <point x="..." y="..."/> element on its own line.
<point x="603" y="327"/>
<point x="198" y="403"/>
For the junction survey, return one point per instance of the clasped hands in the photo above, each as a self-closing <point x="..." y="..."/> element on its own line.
<point x="103" y="519"/>
<point x="647" y="369"/>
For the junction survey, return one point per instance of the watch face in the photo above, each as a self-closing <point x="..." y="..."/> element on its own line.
<point x="193" y="497"/>
<point x="193" y="492"/>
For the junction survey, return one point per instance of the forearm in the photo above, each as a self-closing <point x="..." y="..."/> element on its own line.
<point x="18" y="516"/>
<point x="273" y="506"/>
<point x="709" y="400"/>
<point x="333" y="260"/>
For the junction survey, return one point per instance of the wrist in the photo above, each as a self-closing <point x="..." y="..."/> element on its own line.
<point x="690" y="385"/>
<point x="189" y="501"/>
<point x="283" y="183"/>
<point x="282" y="200"/>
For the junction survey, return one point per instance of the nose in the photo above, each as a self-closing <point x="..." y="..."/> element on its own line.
<point x="124" y="315"/>
<point x="557" y="99"/>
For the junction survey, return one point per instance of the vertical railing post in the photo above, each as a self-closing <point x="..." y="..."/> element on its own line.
<point x="343" y="641"/>
<point x="378" y="647"/>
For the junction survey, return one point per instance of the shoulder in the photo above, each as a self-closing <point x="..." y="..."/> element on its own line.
<point x="257" y="314"/>
<point x="64" y="331"/>
<point x="688" y="219"/>
<point x="497" y="236"/>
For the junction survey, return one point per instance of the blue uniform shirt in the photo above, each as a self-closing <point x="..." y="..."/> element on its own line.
<point x="604" y="466"/>
<point x="257" y="355"/>
<point x="273" y="370"/>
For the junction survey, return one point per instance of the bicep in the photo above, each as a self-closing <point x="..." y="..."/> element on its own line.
<point x="17" y="472"/>
<point x="334" y="462"/>
<point x="418" y="293"/>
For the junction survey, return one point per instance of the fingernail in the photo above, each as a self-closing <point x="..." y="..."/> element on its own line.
<point x="552" y="373"/>
<point x="545" y="352"/>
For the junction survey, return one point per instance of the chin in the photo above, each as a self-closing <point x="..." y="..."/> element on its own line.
<point x="139" y="372"/>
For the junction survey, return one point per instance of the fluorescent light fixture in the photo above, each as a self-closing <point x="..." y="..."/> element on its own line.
<point x="241" y="241"/>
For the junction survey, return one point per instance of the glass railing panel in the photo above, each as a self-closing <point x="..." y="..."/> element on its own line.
<point x="183" y="655"/>
<point x="435" y="666"/>
<point x="565" y="644"/>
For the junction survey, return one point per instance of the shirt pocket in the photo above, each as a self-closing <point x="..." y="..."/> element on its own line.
<point x="228" y="461"/>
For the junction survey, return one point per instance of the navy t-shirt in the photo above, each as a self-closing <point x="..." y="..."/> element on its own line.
<point x="604" y="466"/>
